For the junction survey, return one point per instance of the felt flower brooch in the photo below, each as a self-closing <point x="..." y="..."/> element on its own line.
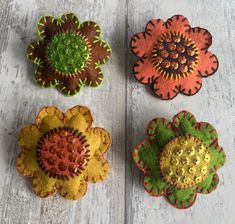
<point x="179" y="159"/>
<point x="69" y="54"/>
<point x="61" y="152"/>
<point x="173" y="57"/>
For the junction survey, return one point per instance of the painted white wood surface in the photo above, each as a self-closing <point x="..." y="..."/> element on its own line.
<point x="121" y="104"/>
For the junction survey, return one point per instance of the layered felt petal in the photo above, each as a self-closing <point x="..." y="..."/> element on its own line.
<point x="155" y="186"/>
<point x="208" y="64"/>
<point x="142" y="43"/>
<point x="45" y="76"/>
<point x="160" y="130"/>
<point x="69" y="21"/>
<point x="29" y="136"/>
<point x="49" y="118"/>
<point x="94" y="75"/>
<point x="97" y="169"/>
<point x="47" y="27"/>
<point x="182" y="198"/>
<point x="26" y="162"/>
<point x="144" y="70"/>
<point x="177" y="23"/>
<point x="98" y="139"/>
<point x="200" y="36"/>
<point x="145" y="156"/>
<point x="209" y="184"/>
<point x="165" y="88"/>
<point x="43" y="185"/>
<point x="70" y="85"/>
<point x="74" y="188"/>
<point x="218" y="157"/>
<point x="36" y="52"/>
<point x="100" y="51"/>
<point x="79" y="118"/>
<point x="90" y="30"/>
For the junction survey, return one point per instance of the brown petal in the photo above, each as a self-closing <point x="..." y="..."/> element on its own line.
<point x="90" y="30"/>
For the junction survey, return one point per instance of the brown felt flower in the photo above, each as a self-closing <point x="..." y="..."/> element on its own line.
<point x="180" y="159"/>
<point x="61" y="152"/>
<point x="69" y="54"/>
<point x="173" y="57"/>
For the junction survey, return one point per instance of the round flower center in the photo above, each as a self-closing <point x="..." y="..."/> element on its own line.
<point x="67" y="52"/>
<point x="184" y="162"/>
<point x="175" y="55"/>
<point x="62" y="153"/>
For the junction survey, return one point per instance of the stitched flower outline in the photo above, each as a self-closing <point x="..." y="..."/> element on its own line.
<point x="62" y="152"/>
<point x="69" y="54"/>
<point x="173" y="57"/>
<point x="179" y="159"/>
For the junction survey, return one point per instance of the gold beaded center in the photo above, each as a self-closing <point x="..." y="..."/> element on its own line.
<point x="184" y="162"/>
<point x="175" y="55"/>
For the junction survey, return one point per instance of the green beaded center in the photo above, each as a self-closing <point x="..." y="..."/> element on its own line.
<point x="67" y="52"/>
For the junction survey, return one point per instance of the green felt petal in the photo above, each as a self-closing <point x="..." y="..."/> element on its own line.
<point x="218" y="157"/>
<point x="145" y="155"/>
<point x="209" y="184"/>
<point x="155" y="186"/>
<point x="182" y="198"/>
<point x="161" y="130"/>
<point x="186" y="123"/>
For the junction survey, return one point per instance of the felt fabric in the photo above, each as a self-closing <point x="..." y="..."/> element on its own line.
<point x="49" y="122"/>
<point x="146" y="156"/>
<point x="172" y="66"/>
<point x="47" y="74"/>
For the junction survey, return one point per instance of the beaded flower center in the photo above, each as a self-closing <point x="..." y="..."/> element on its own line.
<point x="175" y="55"/>
<point x="184" y="162"/>
<point x="62" y="153"/>
<point x="67" y="52"/>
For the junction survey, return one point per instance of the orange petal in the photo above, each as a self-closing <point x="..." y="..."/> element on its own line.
<point x="190" y="85"/>
<point x="45" y="77"/>
<point x="144" y="71"/>
<point x="208" y="64"/>
<point x="177" y="23"/>
<point x="143" y="43"/>
<point x="90" y="30"/>
<point x="201" y="37"/>
<point x="165" y="88"/>
<point x="97" y="169"/>
<point x="47" y="27"/>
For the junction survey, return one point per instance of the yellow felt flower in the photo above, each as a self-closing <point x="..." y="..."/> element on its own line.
<point x="61" y="152"/>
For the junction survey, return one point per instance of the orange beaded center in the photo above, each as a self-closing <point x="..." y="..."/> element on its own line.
<point x="175" y="55"/>
<point x="62" y="153"/>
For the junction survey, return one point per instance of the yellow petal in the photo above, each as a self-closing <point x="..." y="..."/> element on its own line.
<point x="26" y="162"/>
<point x="49" y="118"/>
<point x="43" y="185"/>
<point x="74" y="188"/>
<point x="97" y="169"/>
<point x="78" y="117"/>
<point x="98" y="140"/>
<point x="29" y="136"/>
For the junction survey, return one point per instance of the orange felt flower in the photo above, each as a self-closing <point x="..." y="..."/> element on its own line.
<point x="173" y="57"/>
<point x="61" y="152"/>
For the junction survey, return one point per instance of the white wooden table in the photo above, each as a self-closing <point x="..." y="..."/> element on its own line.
<point x="121" y="104"/>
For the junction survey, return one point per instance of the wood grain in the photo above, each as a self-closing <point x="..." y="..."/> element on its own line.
<point x="121" y="105"/>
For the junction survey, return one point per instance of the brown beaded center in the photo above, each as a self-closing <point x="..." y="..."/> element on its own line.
<point x="62" y="153"/>
<point x="175" y="55"/>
